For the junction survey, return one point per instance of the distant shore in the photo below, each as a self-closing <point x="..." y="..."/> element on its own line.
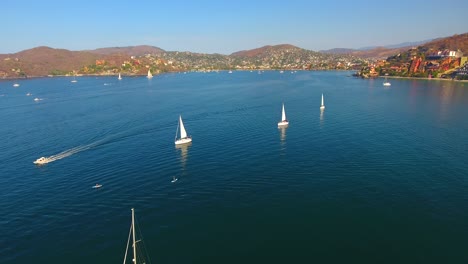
<point x="419" y="78"/>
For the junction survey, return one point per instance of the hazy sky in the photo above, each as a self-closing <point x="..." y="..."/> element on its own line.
<point x="226" y="26"/>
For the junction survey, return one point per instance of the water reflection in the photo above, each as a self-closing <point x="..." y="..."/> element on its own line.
<point x="321" y="116"/>
<point x="446" y="94"/>
<point x="183" y="150"/>
<point x="282" y="134"/>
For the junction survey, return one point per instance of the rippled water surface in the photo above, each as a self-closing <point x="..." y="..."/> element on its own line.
<point x="381" y="176"/>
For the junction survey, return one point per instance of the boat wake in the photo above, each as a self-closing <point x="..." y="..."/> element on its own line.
<point x="65" y="153"/>
<point x="106" y="138"/>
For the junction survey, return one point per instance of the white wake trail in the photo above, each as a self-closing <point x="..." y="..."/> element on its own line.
<point x="70" y="152"/>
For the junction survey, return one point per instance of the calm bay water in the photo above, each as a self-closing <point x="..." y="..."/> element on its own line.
<point x="381" y="176"/>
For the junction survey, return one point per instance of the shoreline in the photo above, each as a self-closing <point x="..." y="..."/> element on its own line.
<point x="418" y="78"/>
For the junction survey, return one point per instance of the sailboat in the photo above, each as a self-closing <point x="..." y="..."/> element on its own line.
<point x="322" y="106"/>
<point x="184" y="139"/>
<point x="284" y="121"/>
<point x="136" y="250"/>
<point x="120" y="77"/>
<point x="149" y="74"/>
<point x="386" y="83"/>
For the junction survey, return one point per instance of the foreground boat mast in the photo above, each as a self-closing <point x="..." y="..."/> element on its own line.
<point x="133" y="232"/>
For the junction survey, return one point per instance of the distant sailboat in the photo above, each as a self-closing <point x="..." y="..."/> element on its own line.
<point x="16" y="85"/>
<point x="322" y="106"/>
<point x="284" y="121"/>
<point x="149" y="74"/>
<point x="135" y="241"/>
<point x="120" y="77"/>
<point x="386" y="83"/>
<point x="184" y="139"/>
<point x="74" y="79"/>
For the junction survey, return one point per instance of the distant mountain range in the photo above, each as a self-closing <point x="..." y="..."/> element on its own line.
<point x="42" y="61"/>
<point x="135" y="60"/>
<point x="377" y="51"/>
<point x="264" y="50"/>
<point x="400" y="45"/>
<point x="131" y="51"/>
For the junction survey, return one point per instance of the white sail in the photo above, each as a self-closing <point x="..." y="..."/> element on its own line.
<point x="183" y="133"/>
<point x="149" y="74"/>
<point x="322" y="106"/>
<point x="120" y="77"/>
<point x="284" y="122"/>
<point x="184" y="139"/>
<point x="283" y="116"/>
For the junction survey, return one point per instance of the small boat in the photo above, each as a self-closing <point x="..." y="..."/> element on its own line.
<point x="135" y="235"/>
<point x="74" y="79"/>
<point x="16" y="85"/>
<point x="386" y="83"/>
<point x="149" y="76"/>
<point x="174" y="179"/>
<point x="120" y="77"/>
<point x="322" y="106"/>
<point x="41" y="160"/>
<point x="97" y="186"/>
<point x="284" y="121"/>
<point x="37" y="99"/>
<point x="28" y="94"/>
<point x="184" y="139"/>
<point x="230" y="71"/>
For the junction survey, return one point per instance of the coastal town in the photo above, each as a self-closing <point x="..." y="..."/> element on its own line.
<point x="438" y="64"/>
<point x="442" y="58"/>
<point x="280" y="57"/>
<point x="433" y="60"/>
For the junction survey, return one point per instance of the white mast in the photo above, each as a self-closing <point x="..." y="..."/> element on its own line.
<point x="134" y="243"/>
<point x="183" y="133"/>
<point x="283" y="116"/>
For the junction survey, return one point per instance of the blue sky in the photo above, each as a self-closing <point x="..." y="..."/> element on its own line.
<point x="226" y="26"/>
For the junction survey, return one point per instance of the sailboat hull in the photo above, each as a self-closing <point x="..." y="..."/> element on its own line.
<point x="283" y="123"/>
<point x="183" y="141"/>
<point x="322" y="107"/>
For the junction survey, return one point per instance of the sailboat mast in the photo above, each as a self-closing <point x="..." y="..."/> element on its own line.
<point x="133" y="232"/>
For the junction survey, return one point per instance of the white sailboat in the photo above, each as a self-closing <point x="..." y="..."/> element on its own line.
<point x="322" y="106"/>
<point x="149" y="74"/>
<point x="386" y="83"/>
<point x="136" y="250"/>
<point x="184" y="139"/>
<point x="120" y="77"/>
<point x="284" y="121"/>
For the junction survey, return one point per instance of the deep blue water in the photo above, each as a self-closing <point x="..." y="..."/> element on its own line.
<point x="381" y="176"/>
